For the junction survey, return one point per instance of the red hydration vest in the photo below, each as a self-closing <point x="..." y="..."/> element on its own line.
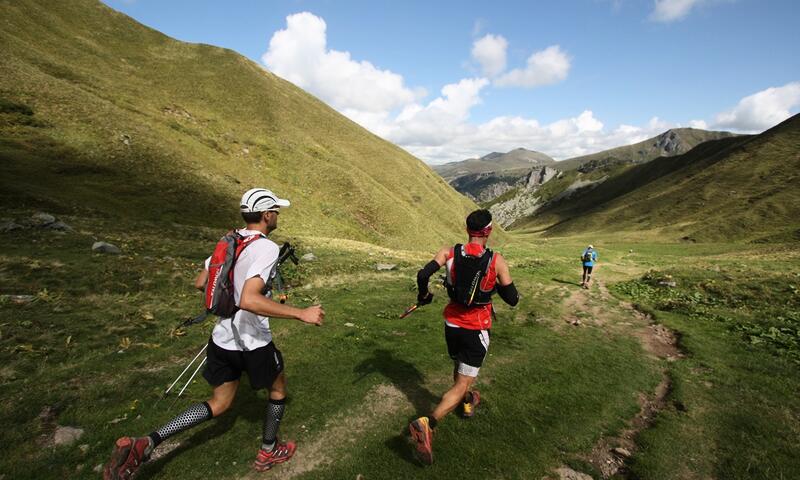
<point x="219" y="298"/>
<point x="477" y="316"/>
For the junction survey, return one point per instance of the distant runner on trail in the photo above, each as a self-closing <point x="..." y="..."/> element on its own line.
<point x="588" y="257"/>
<point x="239" y="344"/>
<point x="473" y="274"/>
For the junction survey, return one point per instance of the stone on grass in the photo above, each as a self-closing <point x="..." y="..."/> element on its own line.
<point x="66" y="435"/>
<point x="308" y="257"/>
<point x="103" y="247"/>
<point x="566" y="473"/>
<point x="666" y="283"/>
<point x="622" y="452"/>
<point x="20" y="299"/>
<point x="10" y="227"/>
<point x="42" y="219"/>
<point x="58" y="226"/>
<point x="385" y="266"/>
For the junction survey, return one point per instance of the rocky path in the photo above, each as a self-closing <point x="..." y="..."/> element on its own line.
<point x="597" y="307"/>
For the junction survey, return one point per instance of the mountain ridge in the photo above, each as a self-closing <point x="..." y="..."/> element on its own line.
<point x="734" y="188"/>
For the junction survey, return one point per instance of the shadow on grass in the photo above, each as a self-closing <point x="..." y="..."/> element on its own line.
<point x="400" y="373"/>
<point x="247" y="405"/>
<point x="566" y="282"/>
<point x="402" y="445"/>
<point x="409" y="380"/>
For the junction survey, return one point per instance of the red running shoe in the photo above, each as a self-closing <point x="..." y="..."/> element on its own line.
<point x="469" y="407"/>
<point x="422" y="434"/>
<point x="129" y="454"/>
<point x="282" y="452"/>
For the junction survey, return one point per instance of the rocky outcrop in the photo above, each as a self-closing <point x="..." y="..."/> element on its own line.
<point x="522" y="205"/>
<point x="540" y="176"/>
<point x="668" y="142"/>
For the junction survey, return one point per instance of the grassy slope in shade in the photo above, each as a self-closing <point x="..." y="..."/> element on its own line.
<point x="107" y="115"/>
<point x="730" y="189"/>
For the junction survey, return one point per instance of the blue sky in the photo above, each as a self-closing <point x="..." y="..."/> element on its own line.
<point x="451" y="80"/>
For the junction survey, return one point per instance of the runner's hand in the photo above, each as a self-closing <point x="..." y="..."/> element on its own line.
<point x="313" y="314"/>
<point x="424" y="299"/>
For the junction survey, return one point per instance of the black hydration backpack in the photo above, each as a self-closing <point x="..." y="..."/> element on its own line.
<point x="587" y="256"/>
<point x="469" y="272"/>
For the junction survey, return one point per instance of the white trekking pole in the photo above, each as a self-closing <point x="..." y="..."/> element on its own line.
<point x="166" y="392"/>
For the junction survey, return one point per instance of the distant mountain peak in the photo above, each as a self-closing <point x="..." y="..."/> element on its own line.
<point x="491" y="156"/>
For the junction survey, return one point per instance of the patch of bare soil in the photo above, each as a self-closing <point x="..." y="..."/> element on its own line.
<point x="609" y="455"/>
<point x="341" y="432"/>
<point x="580" y="308"/>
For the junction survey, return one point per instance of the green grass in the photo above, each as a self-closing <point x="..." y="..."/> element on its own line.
<point x="734" y="189"/>
<point x="99" y="114"/>
<point x="737" y="389"/>
<point x="130" y="137"/>
<point x="98" y="345"/>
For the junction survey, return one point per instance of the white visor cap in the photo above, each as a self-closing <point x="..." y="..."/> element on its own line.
<point x="261" y="200"/>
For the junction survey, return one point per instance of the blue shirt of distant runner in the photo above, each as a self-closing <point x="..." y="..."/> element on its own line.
<point x="594" y="257"/>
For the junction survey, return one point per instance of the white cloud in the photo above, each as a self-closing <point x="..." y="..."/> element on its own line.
<point x="545" y="67"/>
<point x="701" y="124"/>
<point x="561" y="139"/>
<point x="671" y="10"/>
<point x="490" y="52"/>
<point x="762" y="110"/>
<point x="300" y="54"/>
<point x="440" y="130"/>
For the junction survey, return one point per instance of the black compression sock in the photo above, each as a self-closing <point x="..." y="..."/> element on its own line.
<point x="156" y="439"/>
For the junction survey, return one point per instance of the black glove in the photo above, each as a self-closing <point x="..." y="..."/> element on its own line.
<point x="424" y="299"/>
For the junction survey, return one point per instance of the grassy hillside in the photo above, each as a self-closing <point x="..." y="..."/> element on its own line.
<point x="673" y="142"/>
<point x="741" y="188"/>
<point x="102" y="116"/>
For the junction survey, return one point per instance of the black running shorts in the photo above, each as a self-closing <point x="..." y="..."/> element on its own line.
<point x="587" y="269"/>
<point x="262" y="365"/>
<point x="467" y="347"/>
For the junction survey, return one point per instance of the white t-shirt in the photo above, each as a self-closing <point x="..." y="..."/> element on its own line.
<point x="246" y="330"/>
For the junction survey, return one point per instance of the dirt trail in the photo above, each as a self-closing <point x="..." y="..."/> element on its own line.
<point x="341" y="431"/>
<point x="597" y="307"/>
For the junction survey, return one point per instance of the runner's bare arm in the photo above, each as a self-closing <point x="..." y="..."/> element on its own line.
<point x="505" y="285"/>
<point x="503" y="273"/>
<point x="253" y="301"/>
<point x="200" y="281"/>
<point x="441" y="256"/>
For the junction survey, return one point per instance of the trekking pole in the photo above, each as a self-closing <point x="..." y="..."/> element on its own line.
<point x="166" y="392"/>
<point x="187" y="383"/>
<point x="409" y="311"/>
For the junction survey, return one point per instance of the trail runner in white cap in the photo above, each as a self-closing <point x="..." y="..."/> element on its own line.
<point x="242" y="343"/>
